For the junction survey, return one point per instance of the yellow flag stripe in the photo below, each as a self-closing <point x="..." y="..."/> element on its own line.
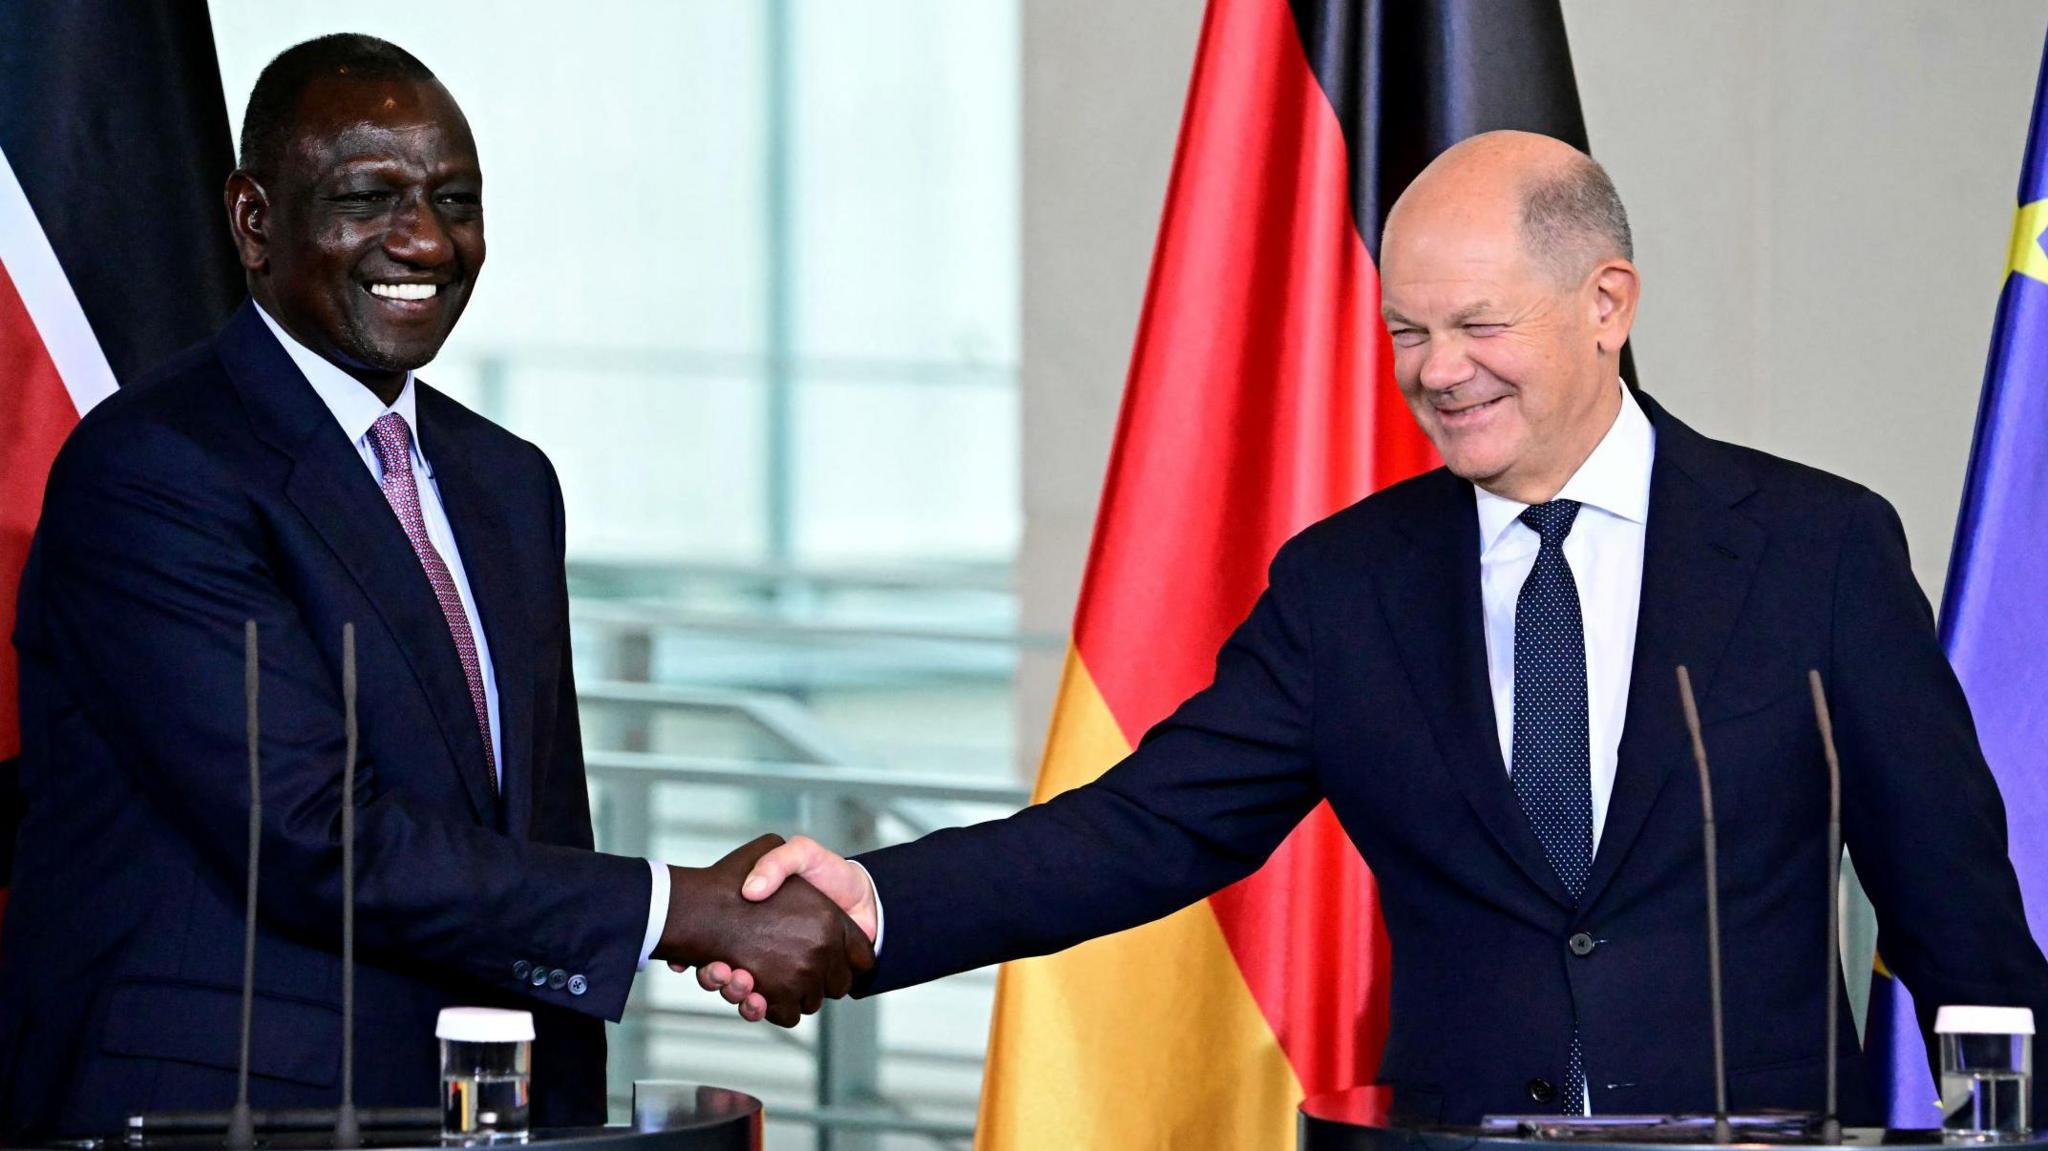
<point x="1083" y="1041"/>
<point x="1083" y="740"/>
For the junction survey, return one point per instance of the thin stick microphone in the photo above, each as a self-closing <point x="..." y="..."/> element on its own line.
<point x="1722" y="1132"/>
<point x="241" y="1133"/>
<point x="347" y="1131"/>
<point x="1831" y="1122"/>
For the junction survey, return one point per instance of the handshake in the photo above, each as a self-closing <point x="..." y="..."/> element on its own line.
<point x="775" y="927"/>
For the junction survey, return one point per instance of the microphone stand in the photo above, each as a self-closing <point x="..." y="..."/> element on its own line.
<point x="348" y="1132"/>
<point x="241" y="1133"/>
<point x="1831" y="1122"/>
<point x="1723" y="1133"/>
<point x="347" y="1122"/>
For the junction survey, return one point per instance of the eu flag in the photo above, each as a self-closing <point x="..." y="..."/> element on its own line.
<point x="1994" y="621"/>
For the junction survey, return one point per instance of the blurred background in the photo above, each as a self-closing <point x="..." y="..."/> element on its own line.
<point x="822" y="311"/>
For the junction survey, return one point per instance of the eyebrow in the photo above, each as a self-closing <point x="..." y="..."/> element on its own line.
<point x="447" y="171"/>
<point x="1392" y="315"/>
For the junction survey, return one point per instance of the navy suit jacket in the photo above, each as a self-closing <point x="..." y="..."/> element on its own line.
<point x="222" y="489"/>
<point x="1360" y="677"/>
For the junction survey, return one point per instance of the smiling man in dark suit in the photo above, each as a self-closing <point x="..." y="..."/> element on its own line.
<point x="292" y="470"/>
<point x="1475" y="668"/>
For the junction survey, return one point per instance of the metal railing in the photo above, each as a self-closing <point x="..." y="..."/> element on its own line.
<point x="794" y="774"/>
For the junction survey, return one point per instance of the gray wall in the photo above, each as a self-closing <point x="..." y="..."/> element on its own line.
<point x="1822" y="193"/>
<point x="1103" y="84"/>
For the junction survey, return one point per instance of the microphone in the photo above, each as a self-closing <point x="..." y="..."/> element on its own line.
<point x="241" y="1134"/>
<point x="1722" y="1132"/>
<point x="1831" y="1122"/>
<point x="241" y="1124"/>
<point x="348" y="1131"/>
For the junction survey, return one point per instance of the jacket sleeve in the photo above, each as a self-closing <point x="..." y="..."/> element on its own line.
<point x="153" y="557"/>
<point x="1921" y="812"/>
<point x="562" y="791"/>
<point x="1206" y="797"/>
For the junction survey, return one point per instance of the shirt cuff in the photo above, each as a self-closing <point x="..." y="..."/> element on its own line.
<point x="876" y="893"/>
<point x="657" y="910"/>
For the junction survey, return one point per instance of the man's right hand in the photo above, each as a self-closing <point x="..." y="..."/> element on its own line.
<point x="803" y="859"/>
<point x="798" y="945"/>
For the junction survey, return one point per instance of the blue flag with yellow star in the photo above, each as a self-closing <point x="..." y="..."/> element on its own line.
<point x="1994" y="614"/>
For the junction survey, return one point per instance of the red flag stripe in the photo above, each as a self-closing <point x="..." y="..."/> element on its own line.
<point x="1306" y="927"/>
<point x="53" y="371"/>
<point x="35" y="416"/>
<point x="1248" y="414"/>
<point x="1261" y="399"/>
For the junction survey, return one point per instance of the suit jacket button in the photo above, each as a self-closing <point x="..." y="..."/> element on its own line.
<point x="539" y="978"/>
<point x="520" y="969"/>
<point x="558" y="979"/>
<point x="1581" y="944"/>
<point x="1541" y="1091"/>
<point x="578" y="985"/>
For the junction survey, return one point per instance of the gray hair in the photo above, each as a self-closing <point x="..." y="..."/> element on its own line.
<point x="1572" y="219"/>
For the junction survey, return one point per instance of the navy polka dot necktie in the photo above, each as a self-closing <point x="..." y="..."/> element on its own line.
<point x="1552" y="761"/>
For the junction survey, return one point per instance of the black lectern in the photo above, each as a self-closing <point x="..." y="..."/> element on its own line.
<point x="1358" y="1120"/>
<point x="691" y="1119"/>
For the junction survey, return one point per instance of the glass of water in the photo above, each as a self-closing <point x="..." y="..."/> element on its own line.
<point x="1987" y="1068"/>
<point x="486" y="1074"/>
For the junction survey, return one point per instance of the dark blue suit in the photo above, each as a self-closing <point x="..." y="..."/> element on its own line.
<point x="222" y="489"/>
<point x="1360" y="677"/>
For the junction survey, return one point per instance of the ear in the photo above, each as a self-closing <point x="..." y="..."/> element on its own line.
<point x="248" y="208"/>
<point x="1616" y="288"/>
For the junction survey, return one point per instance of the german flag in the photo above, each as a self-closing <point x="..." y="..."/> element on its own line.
<point x="1260" y="399"/>
<point x="114" y="250"/>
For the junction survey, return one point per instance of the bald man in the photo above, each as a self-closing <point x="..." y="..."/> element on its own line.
<point x="1475" y="668"/>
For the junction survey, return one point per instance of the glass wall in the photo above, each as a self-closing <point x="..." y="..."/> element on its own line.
<point x="753" y="274"/>
<point x="753" y="286"/>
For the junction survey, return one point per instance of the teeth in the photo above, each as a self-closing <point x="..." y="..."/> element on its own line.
<point x="405" y="291"/>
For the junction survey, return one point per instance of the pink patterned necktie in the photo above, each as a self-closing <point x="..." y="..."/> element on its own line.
<point x="393" y="443"/>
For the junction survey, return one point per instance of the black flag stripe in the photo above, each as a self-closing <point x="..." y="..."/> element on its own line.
<point x="112" y="118"/>
<point x="1410" y="78"/>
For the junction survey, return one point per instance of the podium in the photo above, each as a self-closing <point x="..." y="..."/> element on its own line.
<point x="1359" y="1120"/>
<point x="691" y="1117"/>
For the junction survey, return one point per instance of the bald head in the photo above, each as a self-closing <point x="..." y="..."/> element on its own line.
<point x="1561" y="203"/>
<point x="1508" y="291"/>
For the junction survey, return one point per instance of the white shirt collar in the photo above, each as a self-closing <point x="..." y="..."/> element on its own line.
<point x="354" y="406"/>
<point x="1615" y="478"/>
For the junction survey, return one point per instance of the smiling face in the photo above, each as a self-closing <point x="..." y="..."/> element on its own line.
<point x="1509" y="368"/>
<point x="365" y="241"/>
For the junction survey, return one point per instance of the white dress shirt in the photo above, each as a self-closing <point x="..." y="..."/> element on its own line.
<point x="356" y="408"/>
<point x="1605" y="551"/>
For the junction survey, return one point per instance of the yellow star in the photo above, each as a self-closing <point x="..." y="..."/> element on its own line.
<point x="2026" y="257"/>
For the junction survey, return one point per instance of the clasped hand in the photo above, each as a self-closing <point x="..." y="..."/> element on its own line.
<point x="796" y="945"/>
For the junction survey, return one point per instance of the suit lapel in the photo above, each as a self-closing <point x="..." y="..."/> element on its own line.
<point x="464" y="481"/>
<point x="1700" y="555"/>
<point x="1431" y="593"/>
<point x="336" y="494"/>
